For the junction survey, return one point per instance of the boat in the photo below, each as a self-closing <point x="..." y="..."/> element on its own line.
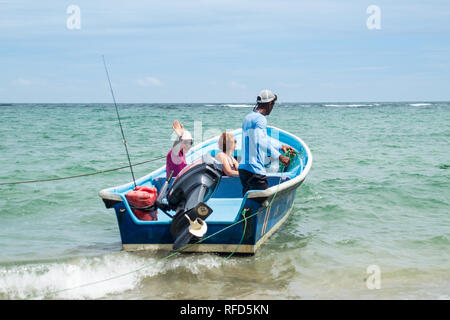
<point x="201" y="210"/>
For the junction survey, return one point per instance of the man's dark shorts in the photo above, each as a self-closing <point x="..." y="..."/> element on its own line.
<point x="253" y="181"/>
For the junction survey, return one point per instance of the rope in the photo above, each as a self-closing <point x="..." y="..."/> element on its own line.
<point x="243" y="234"/>
<point x="282" y="167"/>
<point x="80" y="175"/>
<point x="175" y="252"/>
<point x="293" y="160"/>
<point x="245" y="218"/>
<point x="144" y="266"/>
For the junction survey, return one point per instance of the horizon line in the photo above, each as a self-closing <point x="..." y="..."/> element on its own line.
<point x="249" y="103"/>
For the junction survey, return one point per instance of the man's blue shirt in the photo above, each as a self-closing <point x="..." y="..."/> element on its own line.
<point x="256" y="144"/>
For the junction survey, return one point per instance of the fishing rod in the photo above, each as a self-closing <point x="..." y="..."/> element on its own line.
<point x="120" y="123"/>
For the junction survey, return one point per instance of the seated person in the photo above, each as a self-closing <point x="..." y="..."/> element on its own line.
<point x="176" y="158"/>
<point x="227" y="144"/>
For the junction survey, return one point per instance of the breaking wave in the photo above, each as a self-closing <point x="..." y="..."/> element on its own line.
<point x="419" y="104"/>
<point x="239" y="105"/>
<point x="94" y="277"/>
<point x="351" y="105"/>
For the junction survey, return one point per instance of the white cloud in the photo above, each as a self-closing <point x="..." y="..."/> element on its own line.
<point x="22" y="82"/>
<point x="290" y="85"/>
<point x="328" y="85"/>
<point x="237" y="85"/>
<point x="369" y="68"/>
<point x="149" y="82"/>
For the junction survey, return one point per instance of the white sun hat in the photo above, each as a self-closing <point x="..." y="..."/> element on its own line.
<point x="266" y="96"/>
<point x="186" y="135"/>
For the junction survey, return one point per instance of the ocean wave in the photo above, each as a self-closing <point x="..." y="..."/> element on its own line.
<point x="347" y="242"/>
<point x="239" y="105"/>
<point x="442" y="239"/>
<point x="350" y="105"/>
<point x="420" y="104"/>
<point x="230" y="105"/>
<point x="68" y="280"/>
<point x="93" y="277"/>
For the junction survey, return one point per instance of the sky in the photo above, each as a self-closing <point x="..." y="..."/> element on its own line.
<point x="188" y="51"/>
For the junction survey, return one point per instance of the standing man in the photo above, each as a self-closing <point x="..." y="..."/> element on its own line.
<point x="255" y="145"/>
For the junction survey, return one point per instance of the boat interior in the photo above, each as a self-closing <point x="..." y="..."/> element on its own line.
<point x="226" y="200"/>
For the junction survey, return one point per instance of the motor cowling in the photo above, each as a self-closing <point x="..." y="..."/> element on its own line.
<point x="188" y="196"/>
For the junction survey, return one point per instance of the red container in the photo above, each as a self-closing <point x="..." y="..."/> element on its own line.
<point x="143" y="197"/>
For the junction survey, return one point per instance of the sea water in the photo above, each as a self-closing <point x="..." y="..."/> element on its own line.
<point x="371" y="220"/>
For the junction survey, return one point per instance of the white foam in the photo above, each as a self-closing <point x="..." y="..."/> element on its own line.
<point x="349" y="105"/>
<point x="92" y="278"/>
<point x="195" y="264"/>
<point x="67" y="280"/>
<point x="419" y="104"/>
<point x="239" y="105"/>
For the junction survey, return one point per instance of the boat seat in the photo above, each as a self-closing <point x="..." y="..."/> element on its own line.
<point x="224" y="209"/>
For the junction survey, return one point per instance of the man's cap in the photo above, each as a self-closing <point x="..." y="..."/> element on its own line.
<point x="266" y="96"/>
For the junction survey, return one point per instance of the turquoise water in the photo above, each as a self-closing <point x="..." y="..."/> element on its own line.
<point x="378" y="194"/>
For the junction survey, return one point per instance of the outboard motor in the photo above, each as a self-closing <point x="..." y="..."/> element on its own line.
<point x="187" y="196"/>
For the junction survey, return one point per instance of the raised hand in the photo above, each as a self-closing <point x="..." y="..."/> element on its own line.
<point x="285" y="160"/>
<point x="178" y="128"/>
<point x="286" y="148"/>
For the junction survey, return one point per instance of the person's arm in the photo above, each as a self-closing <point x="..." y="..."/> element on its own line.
<point x="177" y="147"/>
<point x="179" y="130"/>
<point x="274" y="150"/>
<point x="263" y="139"/>
<point x="275" y="144"/>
